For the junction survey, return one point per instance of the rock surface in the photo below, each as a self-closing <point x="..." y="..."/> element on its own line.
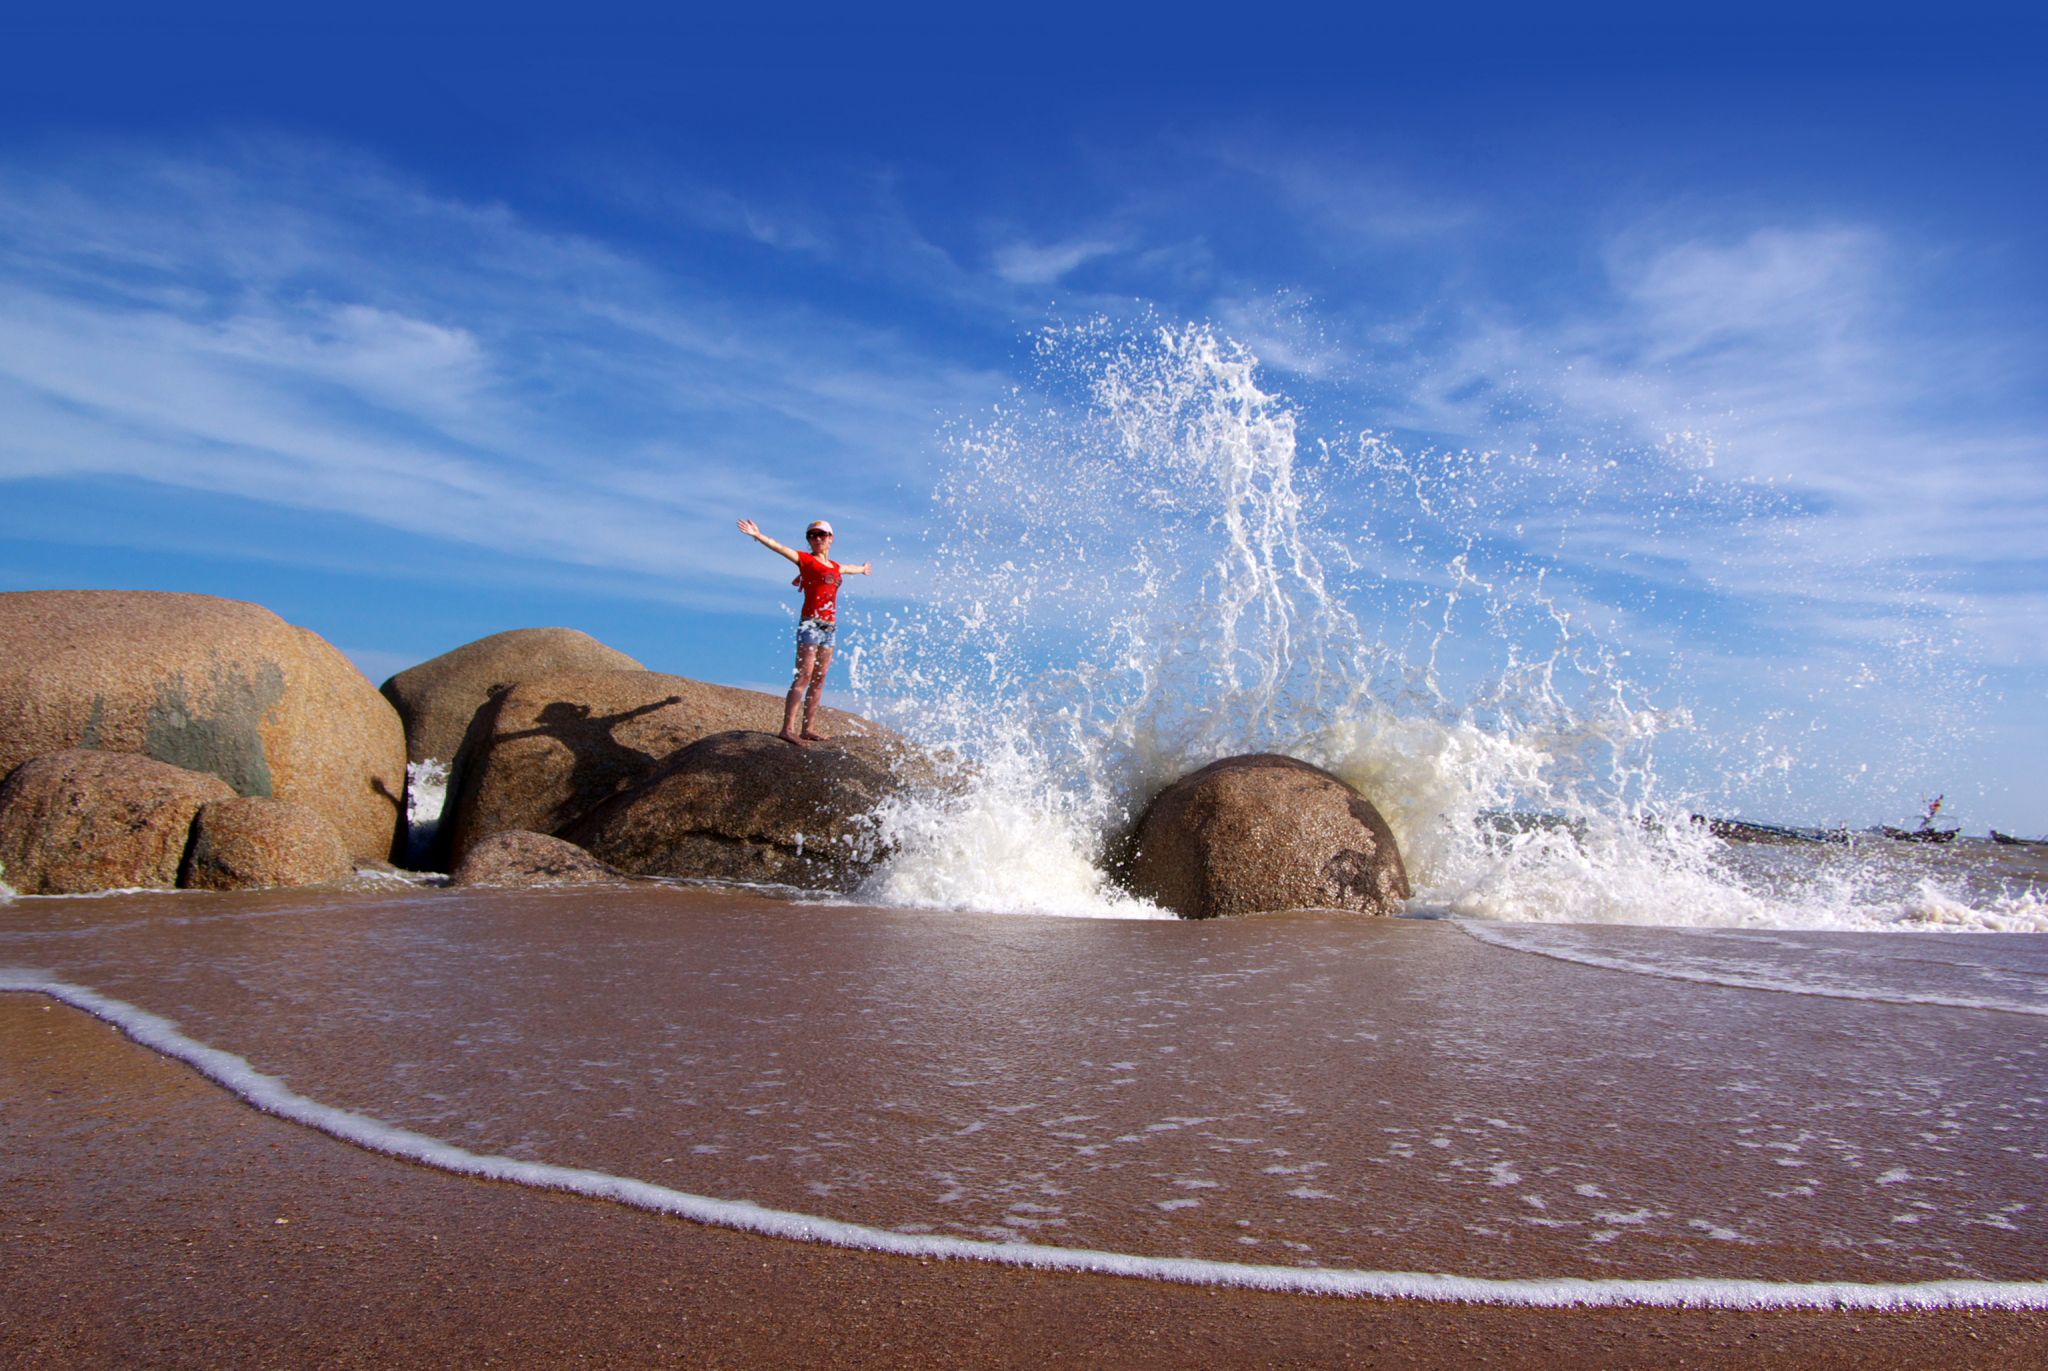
<point x="1265" y="832"/>
<point x="79" y="820"/>
<point x="251" y="842"/>
<point x="206" y="684"/>
<point x="524" y="860"/>
<point x="746" y="806"/>
<point x="544" y="753"/>
<point x="437" y="699"/>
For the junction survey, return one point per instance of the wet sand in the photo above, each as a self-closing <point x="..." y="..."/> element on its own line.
<point x="142" y="1229"/>
<point x="142" y="1200"/>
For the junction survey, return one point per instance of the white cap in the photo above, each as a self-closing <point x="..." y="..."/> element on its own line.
<point x="820" y="526"/>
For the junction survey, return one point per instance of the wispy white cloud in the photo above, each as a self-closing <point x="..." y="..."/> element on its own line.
<point x="1038" y="264"/>
<point x="1350" y="204"/>
<point x="1780" y="373"/>
<point x="785" y="228"/>
<point x="1282" y="330"/>
<point x="411" y="365"/>
<point x="296" y="325"/>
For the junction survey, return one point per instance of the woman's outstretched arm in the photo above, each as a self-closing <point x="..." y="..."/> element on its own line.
<point x="753" y="530"/>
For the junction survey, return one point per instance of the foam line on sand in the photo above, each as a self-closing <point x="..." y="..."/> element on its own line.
<point x="273" y="1096"/>
<point x="1528" y="938"/>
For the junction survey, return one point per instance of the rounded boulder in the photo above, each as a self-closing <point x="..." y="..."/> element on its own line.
<point x="543" y="754"/>
<point x="209" y="685"/>
<point x="1264" y="832"/>
<point x="518" y="860"/>
<point x="746" y="806"/>
<point x="254" y="843"/>
<point x="77" y="821"/>
<point x="437" y="699"/>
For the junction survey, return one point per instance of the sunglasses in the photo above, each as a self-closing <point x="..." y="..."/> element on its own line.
<point x="817" y="533"/>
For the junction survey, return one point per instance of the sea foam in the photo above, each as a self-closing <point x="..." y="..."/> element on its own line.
<point x="1791" y="975"/>
<point x="426" y="796"/>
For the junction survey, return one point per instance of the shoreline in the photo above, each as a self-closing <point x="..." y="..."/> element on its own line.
<point x="271" y="1097"/>
<point x="161" y="1222"/>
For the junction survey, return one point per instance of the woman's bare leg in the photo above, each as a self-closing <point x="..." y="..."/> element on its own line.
<point x="816" y="693"/>
<point x="806" y="668"/>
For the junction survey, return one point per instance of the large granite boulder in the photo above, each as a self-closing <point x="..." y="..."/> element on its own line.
<point x="528" y="860"/>
<point x="438" y="698"/>
<point x="252" y="842"/>
<point x="746" y="806"/>
<point x="542" y="754"/>
<point x="1264" y="832"/>
<point x="206" y="684"/>
<point x="76" y="821"/>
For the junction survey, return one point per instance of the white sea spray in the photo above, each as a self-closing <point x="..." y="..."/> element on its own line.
<point x="1142" y="566"/>
<point x="426" y="795"/>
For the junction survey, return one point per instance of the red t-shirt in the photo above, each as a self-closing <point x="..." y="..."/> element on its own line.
<point x="820" y="580"/>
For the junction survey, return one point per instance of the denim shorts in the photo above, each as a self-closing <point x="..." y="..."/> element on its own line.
<point x="815" y="632"/>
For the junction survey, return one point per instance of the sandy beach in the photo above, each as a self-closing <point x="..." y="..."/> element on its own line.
<point x="1441" y="1103"/>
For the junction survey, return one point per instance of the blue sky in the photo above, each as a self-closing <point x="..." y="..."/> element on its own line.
<point x="419" y="330"/>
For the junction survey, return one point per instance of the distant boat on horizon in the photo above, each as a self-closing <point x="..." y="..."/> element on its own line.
<point x="2007" y="840"/>
<point x="1927" y="832"/>
<point x="1746" y="830"/>
<point x="1919" y="835"/>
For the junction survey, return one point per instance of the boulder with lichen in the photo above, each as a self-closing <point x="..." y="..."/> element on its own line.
<point x="207" y="685"/>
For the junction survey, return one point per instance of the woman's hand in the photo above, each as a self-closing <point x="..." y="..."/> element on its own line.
<point x="753" y="530"/>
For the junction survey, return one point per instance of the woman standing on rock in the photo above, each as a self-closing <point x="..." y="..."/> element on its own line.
<point x="819" y="576"/>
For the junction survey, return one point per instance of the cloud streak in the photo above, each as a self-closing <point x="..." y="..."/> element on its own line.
<point x="219" y="324"/>
<point x="1779" y="374"/>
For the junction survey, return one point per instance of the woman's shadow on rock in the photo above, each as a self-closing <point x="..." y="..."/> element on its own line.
<point x="603" y="765"/>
